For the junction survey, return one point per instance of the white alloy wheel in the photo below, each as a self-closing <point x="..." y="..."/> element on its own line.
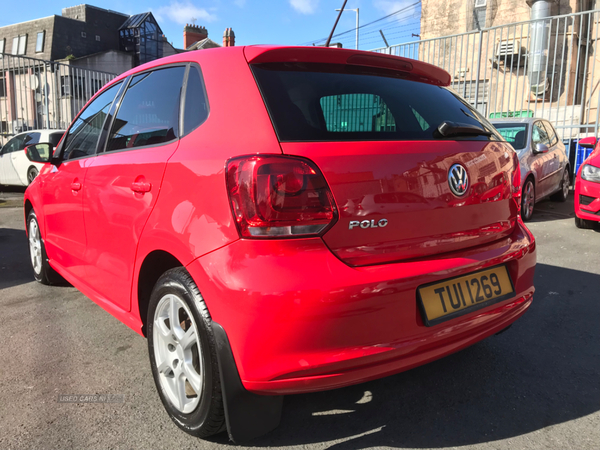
<point x="178" y="353"/>
<point x="35" y="246"/>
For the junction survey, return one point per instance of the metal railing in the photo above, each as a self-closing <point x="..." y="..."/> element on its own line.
<point x="39" y="94"/>
<point x="535" y="68"/>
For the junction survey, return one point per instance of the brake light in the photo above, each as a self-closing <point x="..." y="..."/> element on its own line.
<point x="516" y="183"/>
<point x="274" y="196"/>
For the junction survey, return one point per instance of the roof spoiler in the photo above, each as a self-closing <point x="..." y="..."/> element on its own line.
<point x="424" y="72"/>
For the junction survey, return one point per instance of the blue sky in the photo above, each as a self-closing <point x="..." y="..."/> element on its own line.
<point x="283" y="22"/>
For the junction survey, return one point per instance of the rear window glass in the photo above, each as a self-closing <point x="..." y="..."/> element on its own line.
<point x="328" y="102"/>
<point x="515" y="134"/>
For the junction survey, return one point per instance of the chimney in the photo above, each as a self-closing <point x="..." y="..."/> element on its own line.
<point x="228" y="38"/>
<point x="192" y="34"/>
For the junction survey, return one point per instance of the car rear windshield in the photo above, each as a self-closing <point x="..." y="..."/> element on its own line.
<point x="514" y="133"/>
<point x="332" y="102"/>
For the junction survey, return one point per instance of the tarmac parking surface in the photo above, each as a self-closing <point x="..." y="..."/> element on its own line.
<point x="535" y="386"/>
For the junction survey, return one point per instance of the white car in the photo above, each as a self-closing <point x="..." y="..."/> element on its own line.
<point x="15" y="168"/>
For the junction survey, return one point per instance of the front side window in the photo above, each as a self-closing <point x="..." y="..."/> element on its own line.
<point x="39" y="43"/>
<point x="13" y="144"/>
<point x="552" y="136"/>
<point x="539" y="135"/>
<point x="82" y="138"/>
<point x="149" y="111"/>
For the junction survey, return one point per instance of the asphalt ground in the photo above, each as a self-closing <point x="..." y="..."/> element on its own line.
<point x="536" y="386"/>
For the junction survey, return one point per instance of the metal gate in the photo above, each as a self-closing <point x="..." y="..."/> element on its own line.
<point x="39" y="94"/>
<point x="536" y="68"/>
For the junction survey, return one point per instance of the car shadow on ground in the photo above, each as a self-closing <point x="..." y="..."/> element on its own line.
<point x="548" y="210"/>
<point x="541" y="372"/>
<point x="15" y="266"/>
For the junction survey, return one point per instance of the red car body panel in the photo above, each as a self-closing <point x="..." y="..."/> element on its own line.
<point x="357" y="169"/>
<point x="333" y="325"/>
<point x="590" y="211"/>
<point x="298" y="315"/>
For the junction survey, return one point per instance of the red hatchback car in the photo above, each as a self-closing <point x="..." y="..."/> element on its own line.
<point x="212" y="202"/>
<point x="587" y="187"/>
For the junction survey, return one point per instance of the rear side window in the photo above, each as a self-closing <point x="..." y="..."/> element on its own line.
<point x="551" y="133"/>
<point x="82" y="138"/>
<point x="149" y="111"/>
<point x="196" y="104"/>
<point x="514" y="133"/>
<point x="328" y="102"/>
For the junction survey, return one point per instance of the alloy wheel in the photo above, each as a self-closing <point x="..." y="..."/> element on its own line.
<point x="528" y="200"/>
<point x="178" y="353"/>
<point x="35" y="246"/>
<point x="566" y="184"/>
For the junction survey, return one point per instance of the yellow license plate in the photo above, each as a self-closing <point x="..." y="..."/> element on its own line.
<point x="456" y="296"/>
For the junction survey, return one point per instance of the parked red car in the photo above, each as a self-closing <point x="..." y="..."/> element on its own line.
<point x="587" y="187"/>
<point x="198" y="199"/>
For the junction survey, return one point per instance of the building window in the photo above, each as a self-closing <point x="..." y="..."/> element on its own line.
<point x="98" y="38"/>
<point x="83" y="34"/>
<point x="479" y="14"/>
<point x="2" y="41"/>
<point x="19" y="45"/>
<point x="2" y="87"/>
<point x="39" y="43"/>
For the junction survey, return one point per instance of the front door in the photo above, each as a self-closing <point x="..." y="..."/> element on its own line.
<point x="63" y="188"/>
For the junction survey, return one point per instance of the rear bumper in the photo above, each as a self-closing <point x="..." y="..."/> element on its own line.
<point x="299" y="320"/>
<point x="591" y="210"/>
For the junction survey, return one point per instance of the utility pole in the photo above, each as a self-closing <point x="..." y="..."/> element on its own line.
<point x="355" y="10"/>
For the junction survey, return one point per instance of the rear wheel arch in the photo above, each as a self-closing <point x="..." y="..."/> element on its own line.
<point x="155" y="264"/>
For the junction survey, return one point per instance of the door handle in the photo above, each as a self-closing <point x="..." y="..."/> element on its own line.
<point x="141" y="187"/>
<point x="75" y="186"/>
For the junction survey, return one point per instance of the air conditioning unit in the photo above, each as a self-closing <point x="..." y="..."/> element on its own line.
<point x="510" y="52"/>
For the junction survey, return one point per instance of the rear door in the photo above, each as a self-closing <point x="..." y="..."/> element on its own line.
<point x="375" y="137"/>
<point x="124" y="180"/>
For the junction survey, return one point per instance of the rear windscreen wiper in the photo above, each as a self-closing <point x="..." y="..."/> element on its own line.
<point x="450" y="129"/>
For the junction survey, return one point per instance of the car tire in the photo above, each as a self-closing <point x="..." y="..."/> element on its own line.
<point x="563" y="192"/>
<point x="31" y="174"/>
<point x="42" y="271"/>
<point x="187" y="380"/>
<point x="585" y="224"/>
<point x="527" y="200"/>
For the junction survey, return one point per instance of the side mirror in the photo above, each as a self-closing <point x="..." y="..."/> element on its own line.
<point x="588" y="142"/>
<point x="41" y="153"/>
<point x="540" y="148"/>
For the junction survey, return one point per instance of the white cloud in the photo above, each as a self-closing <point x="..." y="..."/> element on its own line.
<point x="391" y="6"/>
<point x="183" y="13"/>
<point x="240" y="3"/>
<point x="305" y="6"/>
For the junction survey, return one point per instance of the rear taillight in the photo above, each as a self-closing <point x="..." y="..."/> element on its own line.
<point x="516" y="182"/>
<point x="274" y="196"/>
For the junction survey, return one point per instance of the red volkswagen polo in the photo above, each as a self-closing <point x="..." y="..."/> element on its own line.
<point x="216" y="202"/>
<point x="587" y="187"/>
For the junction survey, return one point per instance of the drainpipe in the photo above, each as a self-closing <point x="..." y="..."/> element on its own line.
<point x="538" y="52"/>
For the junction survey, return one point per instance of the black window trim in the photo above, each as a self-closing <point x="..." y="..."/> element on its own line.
<point x="113" y="114"/>
<point x="60" y="149"/>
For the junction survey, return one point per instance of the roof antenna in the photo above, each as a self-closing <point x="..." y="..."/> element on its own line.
<point x="335" y="24"/>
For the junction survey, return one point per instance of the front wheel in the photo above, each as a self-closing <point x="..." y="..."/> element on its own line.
<point x="527" y="200"/>
<point x="183" y="355"/>
<point x="565" y="183"/>
<point x="42" y="271"/>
